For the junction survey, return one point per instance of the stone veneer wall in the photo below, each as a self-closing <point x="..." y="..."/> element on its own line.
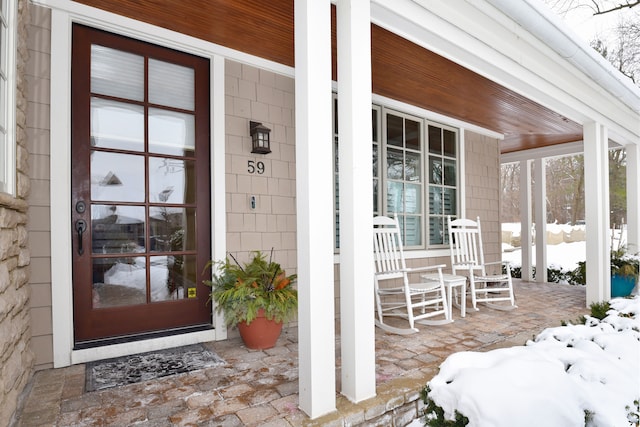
<point x="16" y="358"/>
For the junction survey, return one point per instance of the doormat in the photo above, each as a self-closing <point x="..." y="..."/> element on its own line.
<point x="136" y="368"/>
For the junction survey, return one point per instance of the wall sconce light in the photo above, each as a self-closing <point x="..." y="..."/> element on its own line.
<point x="260" y="143"/>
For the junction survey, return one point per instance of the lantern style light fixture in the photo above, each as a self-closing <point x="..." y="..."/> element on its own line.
<point x="260" y="143"/>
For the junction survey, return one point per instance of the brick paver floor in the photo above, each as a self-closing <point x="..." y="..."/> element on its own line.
<point x="260" y="388"/>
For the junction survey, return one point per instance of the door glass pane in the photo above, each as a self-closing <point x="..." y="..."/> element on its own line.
<point x="394" y="130"/>
<point x="171" y="133"/>
<point x="412" y="134"/>
<point x="413" y="168"/>
<point x="395" y="202"/>
<point x="172" y="229"/>
<point x="119" y="281"/>
<point x="117" y="229"/>
<point x="450" y="172"/>
<point x="395" y="164"/>
<point x="374" y="124"/>
<point x="117" y="125"/>
<point x="413" y="199"/>
<point x="117" y="73"/>
<point x="172" y="180"/>
<point x="173" y="277"/>
<point x="375" y="160"/>
<point x="117" y="177"/>
<point x="171" y="85"/>
<point x="375" y="197"/>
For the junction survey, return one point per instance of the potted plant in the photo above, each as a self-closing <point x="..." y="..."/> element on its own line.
<point x="624" y="272"/>
<point x="257" y="296"/>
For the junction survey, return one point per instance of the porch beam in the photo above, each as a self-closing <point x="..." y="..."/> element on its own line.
<point x="357" y="329"/>
<point x="633" y="201"/>
<point x="596" y="185"/>
<point x="314" y="202"/>
<point x="541" y="219"/>
<point x="525" y="221"/>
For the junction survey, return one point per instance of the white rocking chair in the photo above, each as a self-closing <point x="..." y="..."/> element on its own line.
<point x="416" y="301"/>
<point x="465" y="243"/>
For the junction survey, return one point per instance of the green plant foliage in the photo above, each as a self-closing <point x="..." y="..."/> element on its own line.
<point x="624" y="264"/>
<point x="434" y="414"/>
<point x="599" y="309"/>
<point x="240" y="291"/>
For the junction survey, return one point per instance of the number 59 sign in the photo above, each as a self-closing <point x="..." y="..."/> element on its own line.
<point x="255" y="167"/>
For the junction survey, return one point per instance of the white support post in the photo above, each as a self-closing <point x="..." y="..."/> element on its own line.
<point x="541" y="220"/>
<point x="596" y="184"/>
<point x="315" y="212"/>
<point x="633" y="201"/>
<point x="525" y="220"/>
<point x="357" y="328"/>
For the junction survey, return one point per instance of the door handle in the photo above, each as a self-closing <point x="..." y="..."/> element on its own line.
<point x="81" y="227"/>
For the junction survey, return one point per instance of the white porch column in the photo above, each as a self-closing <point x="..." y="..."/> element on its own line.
<point x="633" y="201"/>
<point x="541" y="220"/>
<point x="357" y="328"/>
<point x="596" y="193"/>
<point x="315" y="212"/>
<point x="525" y="220"/>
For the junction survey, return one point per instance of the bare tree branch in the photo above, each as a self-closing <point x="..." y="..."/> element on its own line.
<point x="625" y="5"/>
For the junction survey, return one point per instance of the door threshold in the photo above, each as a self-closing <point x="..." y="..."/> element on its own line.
<point x="83" y="345"/>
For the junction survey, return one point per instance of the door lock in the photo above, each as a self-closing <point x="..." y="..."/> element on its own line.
<point x="81" y="227"/>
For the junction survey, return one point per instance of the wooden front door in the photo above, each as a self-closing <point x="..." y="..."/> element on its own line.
<point x="140" y="188"/>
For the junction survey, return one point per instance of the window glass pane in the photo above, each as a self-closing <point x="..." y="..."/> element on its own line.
<point x="117" y="229"/>
<point x="118" y="177"/>
<point x="375" y="160"/>
<point x="449" y="143"/>
<point x="449" y="200"/>
<point x="337" y="193"/>
<point x="435" y="170"/>
<point x="172" y="277"/>
<point x="413" y="199"/>
<point x="336" y="158"/>
<point x="449" y="172"/>
<point x="436" y="231"/>
<point x="412" y="134"/>
<point x="171" y="85"/>
<point x="117" y="73"/>
<point x="117" y="125"/>
<point x="395" y="202"/>
<point x="435" y="200"/>
<point x="412" y="231"/>
<point x="171" y="132"/>
<point x="374" y="123"/>
<point x="394" y="130"/>
<point x="119" y="281"/>
<point x="172" y="229"/>
<point x="172" y="180"/>
<point x="413" y="167"/>
<point x="375" y="197"/>
<point x="395" y="164"/>
<point x="435" y="140"/>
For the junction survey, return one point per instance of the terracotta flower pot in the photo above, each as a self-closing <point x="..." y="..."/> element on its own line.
<point x="260" y="334"/>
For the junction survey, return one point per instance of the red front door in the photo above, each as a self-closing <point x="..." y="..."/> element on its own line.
<point x="140" y="187"/>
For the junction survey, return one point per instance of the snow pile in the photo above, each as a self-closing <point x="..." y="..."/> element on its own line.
<point x="568" y="375"/>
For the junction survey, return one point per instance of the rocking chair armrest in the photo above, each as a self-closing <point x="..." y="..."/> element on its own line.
<point x="410" y="270"/>
<point x="498" y="262"/>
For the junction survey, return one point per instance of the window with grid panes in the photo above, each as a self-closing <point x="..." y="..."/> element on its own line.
<point x="416" y="184"/>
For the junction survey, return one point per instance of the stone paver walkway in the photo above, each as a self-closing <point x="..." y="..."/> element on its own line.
<point x="260" y="388"/>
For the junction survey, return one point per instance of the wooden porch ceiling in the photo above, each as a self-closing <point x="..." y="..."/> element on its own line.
<point x="401" y="69"/>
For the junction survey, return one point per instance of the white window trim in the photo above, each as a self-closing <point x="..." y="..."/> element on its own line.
<point x="8" y="155"/>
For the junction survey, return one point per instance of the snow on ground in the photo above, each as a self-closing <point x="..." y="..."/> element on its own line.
<point x="565" y="374"/>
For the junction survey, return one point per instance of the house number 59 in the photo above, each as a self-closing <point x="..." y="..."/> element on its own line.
<point x="255" y="167"/>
